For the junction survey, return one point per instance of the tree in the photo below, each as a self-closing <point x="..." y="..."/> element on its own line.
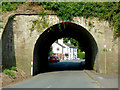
<point x="50" y="51"/>
<point x="74" y="42"/>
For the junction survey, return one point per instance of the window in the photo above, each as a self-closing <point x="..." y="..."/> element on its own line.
<point x="66" y="54"/>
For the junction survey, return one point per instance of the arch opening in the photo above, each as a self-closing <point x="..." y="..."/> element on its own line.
<point x="61" y="30"/>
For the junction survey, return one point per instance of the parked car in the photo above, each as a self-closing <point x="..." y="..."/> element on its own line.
<point x="58" y="60"/>
<point x="52" y="59"/>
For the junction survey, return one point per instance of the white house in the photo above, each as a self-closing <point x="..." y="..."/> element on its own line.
<point x="65" y="50"/>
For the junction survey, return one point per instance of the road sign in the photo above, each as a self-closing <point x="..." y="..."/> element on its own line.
<point x="66" y="21"/>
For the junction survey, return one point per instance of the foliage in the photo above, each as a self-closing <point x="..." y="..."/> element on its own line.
<point x="1" y="26"/>
<point x="0" y="20"/>
<point x="50" y="51"/>
<point x="27" y="6"/>
<point x="13" y="68"/>
<point x="39" y="25"/>
<point x="0" y="11"/>
<point x="81" y="55"/>
<point x="9" y="73"/>
<point x="9" y="6"/>
<point x="109" y="11"/>
<point x="74" y="42"/>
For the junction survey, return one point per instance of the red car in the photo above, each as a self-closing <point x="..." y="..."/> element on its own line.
<point x="53" y="59"/>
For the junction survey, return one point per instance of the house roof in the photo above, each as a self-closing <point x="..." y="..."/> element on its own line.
<point x="69" y="45"/>
<point x="60" y="45"/>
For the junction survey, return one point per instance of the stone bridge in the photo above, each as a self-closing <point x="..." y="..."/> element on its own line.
<point x="27" y="37"/>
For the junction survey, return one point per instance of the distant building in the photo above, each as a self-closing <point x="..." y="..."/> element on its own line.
<point x="65" y="50"/>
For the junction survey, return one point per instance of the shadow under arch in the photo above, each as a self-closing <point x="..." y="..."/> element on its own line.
<point x="51" y="34"/>
<point x="8" y="46"/>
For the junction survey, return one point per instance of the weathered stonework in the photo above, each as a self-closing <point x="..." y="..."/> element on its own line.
<point x="20" y="41"/>
<point x="103" y="34"/>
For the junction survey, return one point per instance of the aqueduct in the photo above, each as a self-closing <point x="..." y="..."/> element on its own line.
<point x="23" y="39"/>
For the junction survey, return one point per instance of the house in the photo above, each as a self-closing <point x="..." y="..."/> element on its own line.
<point x="64" y="50"/>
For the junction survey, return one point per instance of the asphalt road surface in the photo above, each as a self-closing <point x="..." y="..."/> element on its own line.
<point x="66" y="75"/>
<point x="59" y="79"/>
<point x="67" y="65"/>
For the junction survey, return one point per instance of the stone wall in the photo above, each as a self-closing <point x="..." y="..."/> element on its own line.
<point x="103" y="34"/>
<point x="19" y="49"/>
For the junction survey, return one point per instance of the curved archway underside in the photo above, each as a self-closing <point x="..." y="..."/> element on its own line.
<point x="49" y="36"/>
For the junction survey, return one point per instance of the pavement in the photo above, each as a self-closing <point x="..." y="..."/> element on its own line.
<point x="104" y="80"/>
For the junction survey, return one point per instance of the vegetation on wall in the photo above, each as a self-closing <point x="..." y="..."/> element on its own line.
<point x="39" y="25"/>
<point x="109" y="11"/>
<point x="9" y="6"/>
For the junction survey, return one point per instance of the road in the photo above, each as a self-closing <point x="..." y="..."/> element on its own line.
<point x="66" y="75"/>
<point x="67" y="65"/>
<point x="59" y="79"/>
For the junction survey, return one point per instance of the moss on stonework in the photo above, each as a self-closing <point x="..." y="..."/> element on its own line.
<point x="39" y="25"/>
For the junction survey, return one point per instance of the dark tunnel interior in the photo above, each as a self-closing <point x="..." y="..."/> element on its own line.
<point x="61" y="30"/>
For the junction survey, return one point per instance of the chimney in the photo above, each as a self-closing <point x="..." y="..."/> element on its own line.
<point x="60" y="41"/>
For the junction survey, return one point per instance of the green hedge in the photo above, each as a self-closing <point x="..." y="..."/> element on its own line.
<point x="81" y="55"/>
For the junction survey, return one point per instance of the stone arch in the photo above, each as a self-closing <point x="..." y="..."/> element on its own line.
<point x="45" y="40"/>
